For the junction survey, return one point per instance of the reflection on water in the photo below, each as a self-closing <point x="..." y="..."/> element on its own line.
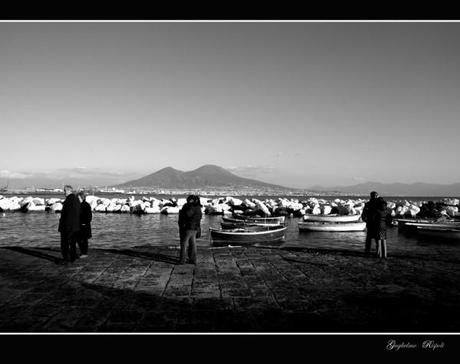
<point x="127" y="230"/>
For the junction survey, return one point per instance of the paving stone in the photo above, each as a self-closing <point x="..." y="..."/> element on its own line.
<point x="230" y="290"/>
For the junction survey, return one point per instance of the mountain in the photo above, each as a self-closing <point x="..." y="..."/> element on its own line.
<point x="398" y="189"/>
<point x="205" y="176"/>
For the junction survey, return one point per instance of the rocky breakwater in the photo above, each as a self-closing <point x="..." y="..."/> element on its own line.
<point x="232" y="205"/>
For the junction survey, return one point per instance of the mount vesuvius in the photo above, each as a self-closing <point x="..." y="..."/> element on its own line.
<point x="204" y="176"/>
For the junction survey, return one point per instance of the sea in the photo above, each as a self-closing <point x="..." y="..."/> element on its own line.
<point x="125" y="231"/>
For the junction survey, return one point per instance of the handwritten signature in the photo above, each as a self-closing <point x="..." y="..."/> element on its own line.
<point x="426" y="345"/>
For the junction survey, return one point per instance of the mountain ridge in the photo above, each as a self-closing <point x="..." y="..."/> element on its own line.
<point x="397" y="189"/>
<point x="208" y="175"/>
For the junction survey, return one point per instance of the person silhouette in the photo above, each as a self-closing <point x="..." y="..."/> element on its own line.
<point x="369" y="217"/>
<point x="382" y="220"/>
<point x="189" y="226"/>
<point x="86" y="216"/>
<point x="69" y="224"/>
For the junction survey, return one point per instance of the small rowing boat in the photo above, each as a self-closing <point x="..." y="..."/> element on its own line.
<point x="273" y="219"/>
<point x="439" y="232"/>
<point x="242" y="224"/>
<point x="248" y="234"/>
<point x="331" y="218"/>
<point x="332" y="227"/>
<point x="402" y="222"/>
<point x="413" y="225"/>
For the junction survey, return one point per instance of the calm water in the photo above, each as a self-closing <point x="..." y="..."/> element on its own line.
<point x="128" y="231"/>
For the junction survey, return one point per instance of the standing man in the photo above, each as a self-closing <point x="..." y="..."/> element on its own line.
<point x="85" y="224"/>
<point x="369" y="217"/>
<point x="189" y="226"/>
<point x="69" y="225"/>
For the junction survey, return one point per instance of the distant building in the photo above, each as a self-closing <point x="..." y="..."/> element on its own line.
<point x="48" y="190"/>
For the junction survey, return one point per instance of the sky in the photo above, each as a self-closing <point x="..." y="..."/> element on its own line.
<point x="292" y="103"/>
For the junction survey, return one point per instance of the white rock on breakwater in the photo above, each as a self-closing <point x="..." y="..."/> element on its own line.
<point x="225" y="205"/>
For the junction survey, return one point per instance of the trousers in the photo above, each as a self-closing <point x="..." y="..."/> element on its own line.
<point x="188" y="238"/>
<point x="83" y="245"/>
<point x="69" y="246"/>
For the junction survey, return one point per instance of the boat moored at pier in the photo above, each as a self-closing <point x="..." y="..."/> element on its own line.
<point x="331" y="218"/>
<point x="413" y="224"/>
<point x="331" y="227"/>
<point x="272" y="219"/>
<point x="235" y="225"/>
<point x="439" y="232"/>
<point x="248" y="235"/>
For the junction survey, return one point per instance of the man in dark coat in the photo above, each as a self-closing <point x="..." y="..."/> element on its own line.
<point x="189" y="225"/>
<point x="369" y="217"/>
<point x="85" y="224"/>
<point x="69" y="225"/>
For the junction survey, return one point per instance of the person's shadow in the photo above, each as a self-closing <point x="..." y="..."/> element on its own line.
<point x="156" y="256"/>
<point x="159" y="257"/>
<point x="38" y="254"/>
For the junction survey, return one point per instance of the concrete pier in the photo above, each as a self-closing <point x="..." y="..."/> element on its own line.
<point x="229" y="290"/>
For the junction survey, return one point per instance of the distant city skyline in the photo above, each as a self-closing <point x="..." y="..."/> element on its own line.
<point x="297" y="104"/>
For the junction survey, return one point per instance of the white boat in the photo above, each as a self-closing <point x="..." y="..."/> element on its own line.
<point x="437" y="232"/>
<point x="401" y="223"/>
<point x="264" y="220"/>
<point x="427" y="224"/>
<point x="333" y="227"/>
<point x="248" y="235"/>
<point x="242" y="224"/>
<point x="331" y="218"/>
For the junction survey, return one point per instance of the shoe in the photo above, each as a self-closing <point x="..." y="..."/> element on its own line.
<point x="84" y="256"/>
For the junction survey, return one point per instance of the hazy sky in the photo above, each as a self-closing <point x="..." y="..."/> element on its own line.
<point x="292" y="103"/>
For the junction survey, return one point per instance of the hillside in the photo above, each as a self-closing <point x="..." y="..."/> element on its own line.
<point x="205" y="176"/>
<point x="398" y="189"/>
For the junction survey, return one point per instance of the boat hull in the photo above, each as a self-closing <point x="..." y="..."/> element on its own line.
<point x="332" y="227"/>
<point x="439" y="233"/>
<point x="413" y="226"/>
<point x="273" y="219"/>
<point x="331" y="218"/>
<point x="248" y="235"/>
<point x="235" y="225"/>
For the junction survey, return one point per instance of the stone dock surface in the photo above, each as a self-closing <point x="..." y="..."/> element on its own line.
<point x="250" y="289"/>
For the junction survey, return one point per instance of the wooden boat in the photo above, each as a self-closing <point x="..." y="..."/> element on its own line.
<point x="232" y="220"/>
<point x="273" y="219"/>
<point x="332" y="218"/>
<point x="413" y="225"/>
<point x="242" y="224"/>
<point x="402" y="222"/>
<point x="441" y="225"/>
<point x="439" y="232"/>
<point x="248" y="235"/>
<point x="332" y="227"/>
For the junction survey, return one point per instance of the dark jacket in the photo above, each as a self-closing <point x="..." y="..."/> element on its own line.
<point x="377" y="217"/>
<point x="86" y="216"/>
<point x="369" y="212"/>
<point x="70" y="215"/>
<point x="190" y="217"/>
<point x="382" y="219"/>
